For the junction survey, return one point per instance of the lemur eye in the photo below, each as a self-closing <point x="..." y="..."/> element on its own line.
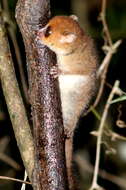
<point x="48" y="31"/>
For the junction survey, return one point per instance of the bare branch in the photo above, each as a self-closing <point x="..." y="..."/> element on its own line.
<point x="107" y="36"/>
<point x="99" y="137"/>
<point x="14" y="179"/>
<point x="14" y="103"/>
<point x="109" y="49"/>
<point x="85" y="166"/>
<point x="108" y="57"/>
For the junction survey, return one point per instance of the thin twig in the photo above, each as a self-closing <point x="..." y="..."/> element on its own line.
<point x="84" y="165"/>
<point x="14" y="179"/>
<point x="23" y="187"/>
<point x="8" y="160"/>
<point x="109" y="49"/>
<point x="108" y="57"/>
<point x="107" y="36"/>
<point x="110" y="133"/>
<point x="4" y="141"/>
<point x="100" y="132"/>
<point x="101" y="88"/>
<point x="5" y="158"/>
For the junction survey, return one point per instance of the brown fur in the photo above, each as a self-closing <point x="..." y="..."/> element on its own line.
<point x="76" y="57"/>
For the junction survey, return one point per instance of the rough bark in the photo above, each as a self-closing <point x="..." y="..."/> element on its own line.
<point x="50" y="170"/>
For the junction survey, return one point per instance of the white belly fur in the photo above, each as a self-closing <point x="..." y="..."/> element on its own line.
<point x="70" y="86"/>
<point x="70" y="82"/>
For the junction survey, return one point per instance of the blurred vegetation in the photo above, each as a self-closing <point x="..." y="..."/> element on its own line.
<point x="84" y="143"/>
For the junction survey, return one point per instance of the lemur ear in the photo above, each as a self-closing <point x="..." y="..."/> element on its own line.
<point x="74" y="17"/>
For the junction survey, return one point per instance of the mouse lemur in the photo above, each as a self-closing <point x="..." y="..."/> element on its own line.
<point x="77" y="65"/>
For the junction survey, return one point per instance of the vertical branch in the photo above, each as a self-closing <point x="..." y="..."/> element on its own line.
<point x="107" y="36"/>
<point x="100" y="133"/>
<point x="50" y="171"/>
<point x="14" y="102"/>
<point x="109" y="49"/>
